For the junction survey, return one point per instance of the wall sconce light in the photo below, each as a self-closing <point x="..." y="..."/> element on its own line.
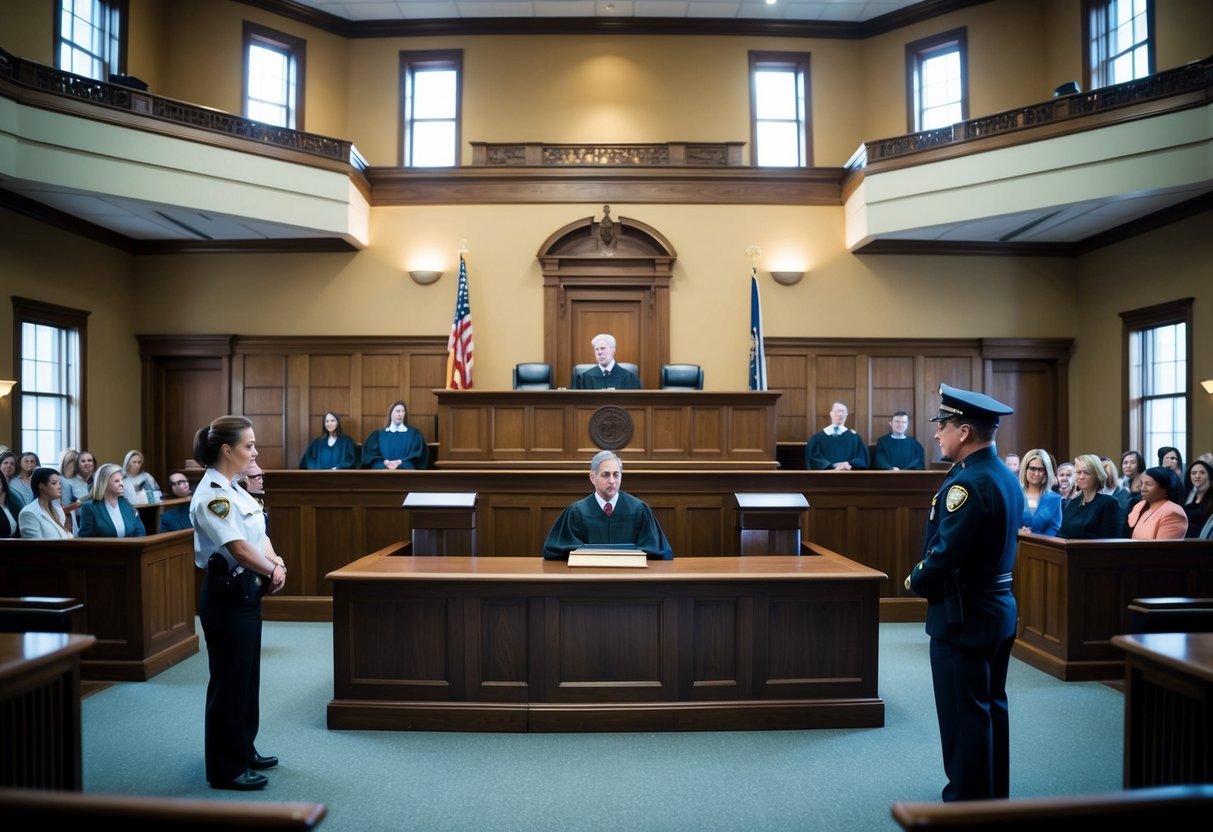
<point x="787" y="278"/>
<point x="6" y="387"/>
<point x="424" y="277"/>
<point x="1207" y="384"/>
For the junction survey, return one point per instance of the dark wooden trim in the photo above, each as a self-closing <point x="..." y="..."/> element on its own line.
<point x="1160" y="314"/>
<point x="302" y="245"/>
<point x="612" y="26"/>
<point x="675" y="185"/>
<point x="65" y="317"/>
<point x="969" y="248"/>
<point x="55" y="218"/>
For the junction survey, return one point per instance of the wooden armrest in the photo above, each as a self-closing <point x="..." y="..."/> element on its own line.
<point x="31" y="806"/>
<point x="1158" y="806"/>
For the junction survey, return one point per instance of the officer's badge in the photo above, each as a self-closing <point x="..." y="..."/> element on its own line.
<point x="956" y="497"/>
<point x="219" y="507"/>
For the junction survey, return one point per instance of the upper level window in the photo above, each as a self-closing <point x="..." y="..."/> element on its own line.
<point x="430" y="86"/>
<point x="937" y="81"/>
<point x="273" y="76"/>
<point x="1157" y="346"/>
<point x="90" y="37"/>
<point x="779" y="107"/>
<point x="1118" y="41"/>
<point x="50" y="379"/>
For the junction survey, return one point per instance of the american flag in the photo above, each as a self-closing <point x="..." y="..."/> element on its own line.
<point x="459" y="358"/>
<point x="758" y="350"/>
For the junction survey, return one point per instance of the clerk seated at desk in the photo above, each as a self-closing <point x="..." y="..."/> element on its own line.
<point x="607" y="374"/>
<point x="608" y="516"/>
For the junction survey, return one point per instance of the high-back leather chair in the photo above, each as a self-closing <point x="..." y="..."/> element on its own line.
<point x="681" y="377"/>
<point x="532" y="375"/>
<point x="578" y="369"/>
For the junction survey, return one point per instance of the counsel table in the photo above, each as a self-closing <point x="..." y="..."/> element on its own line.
<point x="523" y="644"/>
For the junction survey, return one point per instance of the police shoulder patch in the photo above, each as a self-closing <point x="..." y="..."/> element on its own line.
<point x="956" y="497"/>
<point x="219" y="507"/>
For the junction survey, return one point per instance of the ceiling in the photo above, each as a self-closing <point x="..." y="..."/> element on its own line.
<point x="396" y="10"/>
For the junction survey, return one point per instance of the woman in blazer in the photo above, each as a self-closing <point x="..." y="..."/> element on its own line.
<point x="110" y="514"/>
<point x="1041" y="504"/>
<point x="1091" y="515"/>
<point x="42" y="519"/>
<point x="1159" y="514"/>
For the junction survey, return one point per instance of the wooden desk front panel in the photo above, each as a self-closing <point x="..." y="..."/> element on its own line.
<point x="1073" y="596"/>
<point x="584" y="644"/>
<point x="139" y="596"/>
<point x="552" y="427"/>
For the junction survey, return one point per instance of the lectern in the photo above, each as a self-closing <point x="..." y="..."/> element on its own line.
<point x="443" y="522"/>
<point x="769" y="524"/>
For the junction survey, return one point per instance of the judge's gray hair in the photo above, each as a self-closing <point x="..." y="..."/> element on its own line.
<point x="603" y="456"/>
<point x="603" y="336"/>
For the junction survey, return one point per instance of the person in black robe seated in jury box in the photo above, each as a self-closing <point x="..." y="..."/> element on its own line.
<point x="607" y="375"/>
<point x="177" y="517"/>
<point x="396" y="445"/>
<point x="896" y="451"/>
<point x="331" y="450"/>
<point x="836" y="447"/>
<point x="608" y="516"/>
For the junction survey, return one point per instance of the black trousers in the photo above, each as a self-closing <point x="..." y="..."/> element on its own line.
<point x="231" y="622"/>
<point x="974" y="723"/>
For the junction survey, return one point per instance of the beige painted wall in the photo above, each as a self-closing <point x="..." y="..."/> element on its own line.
<point x="1165" y="265"/>
<point x="43" y="263"/>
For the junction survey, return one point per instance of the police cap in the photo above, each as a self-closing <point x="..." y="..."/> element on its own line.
<point x="970" y="405"/>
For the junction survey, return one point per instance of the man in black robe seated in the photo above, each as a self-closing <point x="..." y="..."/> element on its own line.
<point x="608" y="516"/>
<point x="836" y="447"/>
<point x="607" y="375"/>
<point x="897" y="451"/>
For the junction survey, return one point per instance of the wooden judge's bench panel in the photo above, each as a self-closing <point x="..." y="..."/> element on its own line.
<point x="322" y="520"/>
<point x="556" y="428"/>
<point x="523" y="644"/>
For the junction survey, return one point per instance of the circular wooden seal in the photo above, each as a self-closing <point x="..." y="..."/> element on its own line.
<point x="610" y="428"/>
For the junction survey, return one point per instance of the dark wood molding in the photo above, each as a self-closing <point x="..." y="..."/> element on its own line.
<point x="301" y="245"/>
<point x="969" y="248"/>
<point x="612" y="26"/>
<point x="55" y="218"/>
<point x="673" y="185"/>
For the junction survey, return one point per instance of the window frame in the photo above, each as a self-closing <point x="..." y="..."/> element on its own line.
<point x="296" y="51"/>
<point x="116" y="64"/>
<point x="1089" y="9"/>
<point x="800" y="63"/>
<point x="428" y="59"/>
<point x="1140" y="320"/>
<point x="28" y="311"/>
<point x="923" y="48"/>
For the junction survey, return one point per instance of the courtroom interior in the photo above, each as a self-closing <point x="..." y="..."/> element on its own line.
<point x="604" y="176"/>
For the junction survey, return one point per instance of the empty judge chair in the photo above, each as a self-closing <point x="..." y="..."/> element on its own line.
<point x="532" y="375"/>
<point x="578" y="369"/>
<point x="681" y="377"/>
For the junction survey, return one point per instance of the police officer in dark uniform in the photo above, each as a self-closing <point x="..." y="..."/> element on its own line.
<point x="965" y="575"/>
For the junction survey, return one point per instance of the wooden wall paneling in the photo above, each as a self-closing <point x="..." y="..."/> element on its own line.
<point x="707" y="431"/>
<point x="297" y="423"/>
<point x="671" y="433"/>
<point x="264" y="390"/>
<point x="787" y="373"/>
<point x="621" y="313"/>
<point x="893" y="386"/>
<point x="330" y="384"/>
<point x="381" y="385"/>
<point x="333" y="529"/>
<point x="716" y="665"/>
<point x="426" y="372"/>
<point x="1029" y="387"/>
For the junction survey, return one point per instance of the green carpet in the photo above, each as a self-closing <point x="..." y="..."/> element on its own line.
<point x="146" y="738"/>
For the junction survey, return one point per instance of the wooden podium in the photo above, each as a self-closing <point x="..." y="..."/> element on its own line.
<point x="443" y="522"/>
<point x="563" y="429"/>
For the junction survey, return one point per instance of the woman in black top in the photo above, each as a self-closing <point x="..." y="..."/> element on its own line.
<point x="1091" y="515"/>
<point x="1198" y="496"/>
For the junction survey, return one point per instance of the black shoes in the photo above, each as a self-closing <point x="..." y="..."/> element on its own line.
<point x="258" y="762"/>
<point x="249" y="781"/>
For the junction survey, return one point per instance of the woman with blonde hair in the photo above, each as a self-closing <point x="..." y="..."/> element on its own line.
<point x="1091" y="515"/>
<point x="139" y="483"/>
<point x="1042" y="505"/>
<point x="109" y="513"/>
<point x="75" y="489"/>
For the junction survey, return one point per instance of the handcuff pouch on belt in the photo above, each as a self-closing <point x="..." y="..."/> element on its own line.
<point x="222" y="578"/>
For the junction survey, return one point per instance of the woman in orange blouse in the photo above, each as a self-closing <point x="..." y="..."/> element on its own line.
<point x="1159" y="515"/>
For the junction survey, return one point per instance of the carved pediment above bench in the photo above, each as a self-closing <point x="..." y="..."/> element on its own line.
<point x="661" y="154"/>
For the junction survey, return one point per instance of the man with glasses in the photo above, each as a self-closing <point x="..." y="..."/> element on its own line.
<point x="253" y="481"/>
<point x="178" y="517"/>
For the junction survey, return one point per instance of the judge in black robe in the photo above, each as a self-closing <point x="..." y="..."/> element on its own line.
<point x="896" y="450"/>
<point x="587" y="523"/>
<point x="396" y="446"/>
<point x="606" y="374"/>
<point x="836" y="447"/>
